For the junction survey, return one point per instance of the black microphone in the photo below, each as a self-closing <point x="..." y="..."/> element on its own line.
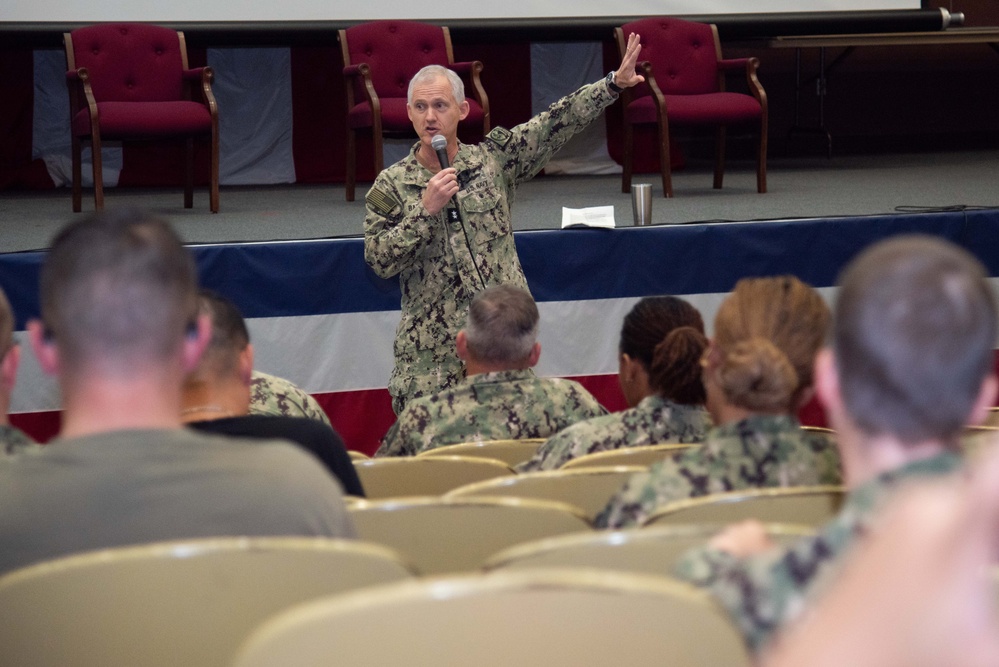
<point x="439" y="144"/>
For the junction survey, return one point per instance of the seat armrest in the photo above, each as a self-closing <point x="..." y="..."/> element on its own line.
<point x="734" y="63"/>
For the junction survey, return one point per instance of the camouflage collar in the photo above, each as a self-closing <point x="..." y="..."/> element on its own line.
<point x="415" y="173"/>
<point x="501" y="376"/>
<point x="938" y="465"/>
<point x="656" y="402"/>
<point x="757" y="424"/>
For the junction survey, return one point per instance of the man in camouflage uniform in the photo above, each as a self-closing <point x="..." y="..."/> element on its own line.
<point x="445" y="255"/>
<point x="654" y="420"/>
<point x="12" y="439"/>
<point x="272" y="395"/>
<point x="911" y="363"/>
<point x="501" y="398"/>
<point x="759" y="451"/>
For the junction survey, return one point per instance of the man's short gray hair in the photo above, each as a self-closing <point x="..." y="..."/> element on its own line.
<point x="502" y="325"/>
<point x="914" y="334"/>
<point x="432" y="72"/>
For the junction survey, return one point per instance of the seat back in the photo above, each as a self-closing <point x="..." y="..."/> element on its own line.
<point x="652" y="550"/>
<point x="644" y="455"/>
<point x="512" y="618"/>
<point x="589" y="489"/>
<point x="806" y="505"/>
<point x="684" y="55"/>
<point x="410" y="476"/>
<point x="510" y="452"/>
<point x="178" y="603"/>
<point x="453" y="534"/>
<point x="130" y="62"/>
<point x="395" y="50"/>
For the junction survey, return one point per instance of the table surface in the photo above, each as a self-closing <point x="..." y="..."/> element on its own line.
<point x="951" y="36"/>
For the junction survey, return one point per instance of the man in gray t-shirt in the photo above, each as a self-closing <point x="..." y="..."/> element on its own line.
<point x="119" y="329"/>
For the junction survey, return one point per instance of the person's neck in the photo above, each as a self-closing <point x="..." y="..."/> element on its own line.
<point x="103" y="405"/>
<point x="730" y="414"/>
<point x="473" y="367"/>
<point x="427" y="156"/>
<point x="865" y="457"/>
<point x="211" y="400"/>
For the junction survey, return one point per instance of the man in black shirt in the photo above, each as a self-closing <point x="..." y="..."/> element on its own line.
<point x="217" y="396"/>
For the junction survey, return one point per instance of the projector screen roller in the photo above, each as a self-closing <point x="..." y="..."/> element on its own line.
<point x="243" y="11"/>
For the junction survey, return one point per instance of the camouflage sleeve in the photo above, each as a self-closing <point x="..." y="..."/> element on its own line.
<point x="404" y="437"/>
<point x="530" y="146"/>
<point x="553" y="453"/>
<point x="396" y="229"/>
<point x="643" y="494"/>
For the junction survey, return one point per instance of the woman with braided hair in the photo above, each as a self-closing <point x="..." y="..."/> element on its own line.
<point x="757" y="373"/>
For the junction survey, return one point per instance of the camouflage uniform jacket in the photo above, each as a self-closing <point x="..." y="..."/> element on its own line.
<point x="654" y="420"/>
<point x="443" y="264"/>
<point x="14" y="440"/>
<point x="764" y="592"/>
<point x="490" y="406"/>
<point x="272" y="395"/>
<point x="757" y="452"/>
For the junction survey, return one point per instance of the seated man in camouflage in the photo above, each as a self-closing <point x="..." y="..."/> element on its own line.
<point x="501" y="398"/>
<point x="273" y="395"/>
<point x="12" y="439"/>
<point x="910" y="364"/>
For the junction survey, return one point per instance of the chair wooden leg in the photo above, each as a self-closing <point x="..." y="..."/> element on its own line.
<point x="664" y="163"/>
<point x="213" y="193"/>
<point x="628" y="157"/>
<point x="189" y="173"/>
<point x="98" y="170"/>
<point x="77" y="174"/>
<point x="761" y="158"/>
<point x="379" y="150"/>
<point x="719" y="156"/>
<point x="351" y="163"/>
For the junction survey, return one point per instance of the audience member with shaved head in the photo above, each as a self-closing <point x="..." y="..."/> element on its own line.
<point x="120" y="329"/>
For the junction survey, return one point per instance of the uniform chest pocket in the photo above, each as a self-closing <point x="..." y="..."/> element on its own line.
<point x="485" y="214"/>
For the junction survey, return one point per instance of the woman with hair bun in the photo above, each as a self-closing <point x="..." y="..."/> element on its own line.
<point x="662" y="340"/>
<point x="757" y="373"/>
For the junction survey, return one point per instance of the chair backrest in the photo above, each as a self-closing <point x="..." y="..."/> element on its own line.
<point x="179" y="603"/>
<point x="357" y="456"/>
<point x="993" y="418"/>
<point x="684" y="54"/>
<point x="533" y="618"/>
<point x="644" y="455"/>
<point x="589" y="489"/>
<point x="129" y="62"/>
<point x="807" y="505"/>
<point x="410" y="476"/>
<point x="652" y="550"/>
<point x="510" y="452"/>
<point x="453" y="534"/>
<point x="395" y="50"/>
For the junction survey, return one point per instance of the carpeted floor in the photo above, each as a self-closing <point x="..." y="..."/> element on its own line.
<point x="798" y="188"/>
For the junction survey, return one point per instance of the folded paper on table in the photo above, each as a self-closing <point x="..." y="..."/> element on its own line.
<point x="595" y="216"/>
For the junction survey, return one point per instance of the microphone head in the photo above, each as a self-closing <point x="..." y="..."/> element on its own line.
<point x="439" y="142"/>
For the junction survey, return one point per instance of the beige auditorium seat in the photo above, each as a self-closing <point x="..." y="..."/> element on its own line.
<point x="357" y="456"/>
<point x="454" y="534"/>
<point x="538" y="618"/>
<point x="586" y="488"/>
<point x="644" y="455"/>
<point x="510" y="452"/>
<point x="993" y="417"/>
<point x="395" y="477"/>
<point x="173" y="603"/>
<point x="652" y="550"/>
<point x="805" y="505"/>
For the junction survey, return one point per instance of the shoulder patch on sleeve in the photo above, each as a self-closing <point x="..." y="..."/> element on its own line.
<point x="381" y="201"/>
<point x="499" y="136"/>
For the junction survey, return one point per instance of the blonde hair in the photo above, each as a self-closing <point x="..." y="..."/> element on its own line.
<point x="767" y="333"/>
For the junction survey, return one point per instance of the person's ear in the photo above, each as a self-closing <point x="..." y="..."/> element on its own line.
<point x="985" y="400"/>
<point x="827" y="382"/>
<point x="44" y="347"/>
<point x="197" y="338"/>
<point x="463" y="109"/>
<point x="246" y="364"/>
<point x="461" y="345"/>
<point x="532" y="358"/>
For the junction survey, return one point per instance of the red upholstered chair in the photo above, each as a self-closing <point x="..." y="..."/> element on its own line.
<point x="685" y="85"/>
<point x="130" y="81"/>
<point x="380" y="58"/>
